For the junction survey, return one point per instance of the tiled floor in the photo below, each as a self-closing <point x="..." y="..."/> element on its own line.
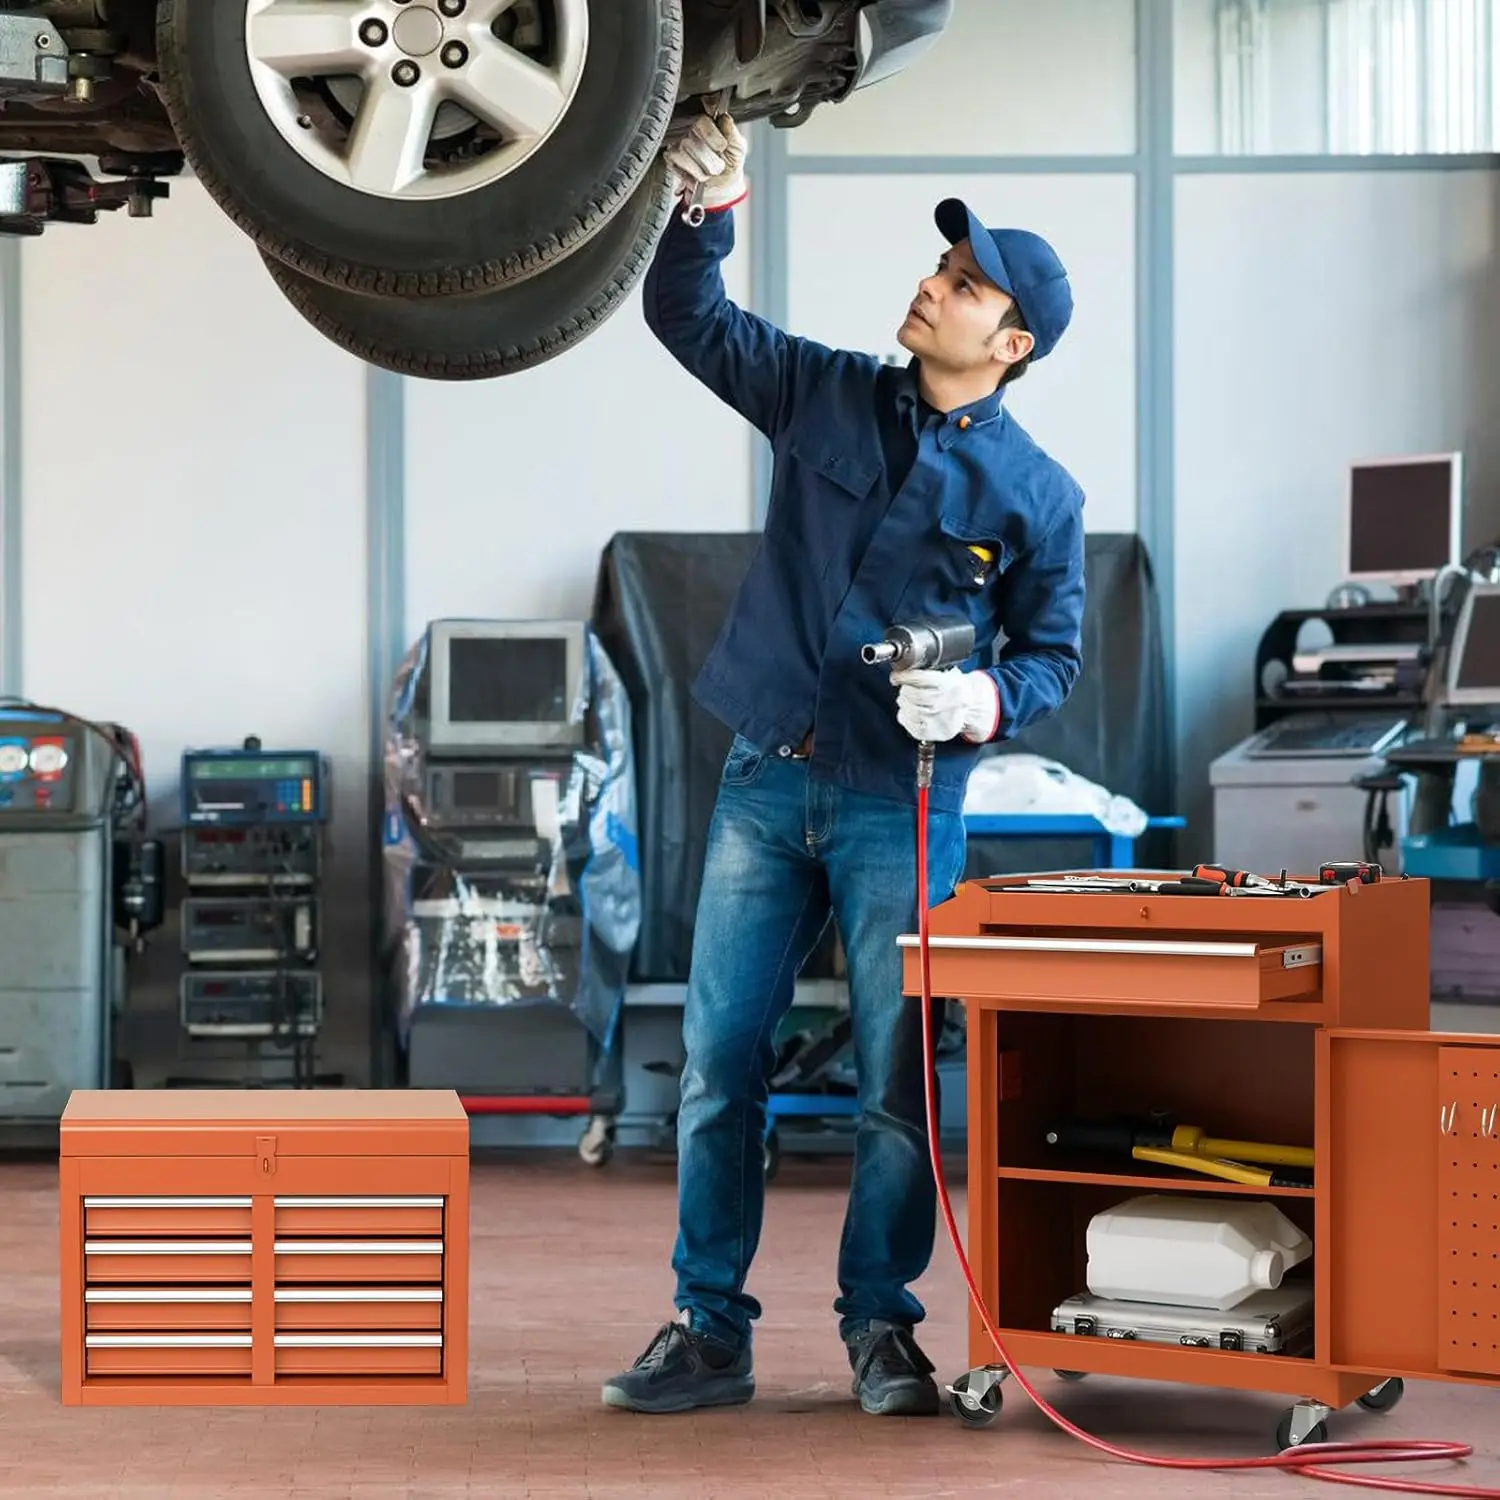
<point x="570" y="1277"/>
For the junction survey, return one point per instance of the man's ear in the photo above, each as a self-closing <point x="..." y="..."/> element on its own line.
<point x="1012" y="345"/>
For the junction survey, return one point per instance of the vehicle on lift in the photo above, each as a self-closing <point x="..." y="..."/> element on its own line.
<point x="449" y="188"/>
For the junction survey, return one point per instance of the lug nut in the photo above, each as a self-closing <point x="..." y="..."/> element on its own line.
<point x="373" y="33"/>
<point x="406" y="73"/>
<point x="455" y="55"/>
<point x="451" y="7"/>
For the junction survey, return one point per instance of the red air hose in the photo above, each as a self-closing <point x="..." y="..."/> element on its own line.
<point x="1311" y="1459"/>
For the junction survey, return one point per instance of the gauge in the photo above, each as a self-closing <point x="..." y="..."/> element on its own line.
<point x="12" y="760"/>
<point x="48" y="759"/>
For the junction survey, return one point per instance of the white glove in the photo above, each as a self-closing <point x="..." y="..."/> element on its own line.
<point x="936" y="706"/>
<point x="711" y="154"/>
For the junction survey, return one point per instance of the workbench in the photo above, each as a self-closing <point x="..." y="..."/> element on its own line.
<point x="1276" y="1019"/>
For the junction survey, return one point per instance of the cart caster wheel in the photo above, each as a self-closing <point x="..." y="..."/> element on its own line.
<point x="771" y="1159"/>
<point x="1385" y="1395"/>
<point x="597" y="1144"/>
<point x="1071" y="1374"/>
<point x="975" y="1410"/>
<point x="1318" y="1433"/>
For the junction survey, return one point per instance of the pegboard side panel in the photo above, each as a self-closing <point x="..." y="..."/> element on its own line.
<point x="1469" y="1210"/>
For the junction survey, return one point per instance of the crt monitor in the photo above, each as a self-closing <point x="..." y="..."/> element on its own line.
<point x="1474" y="660"/>
<point x="501" y="685"/>
<point x="1404" y="517"/>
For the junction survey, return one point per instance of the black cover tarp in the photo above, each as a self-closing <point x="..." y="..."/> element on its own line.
<point x="659" y="601"/>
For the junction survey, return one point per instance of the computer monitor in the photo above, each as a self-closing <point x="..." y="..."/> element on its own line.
<point x="504" y="685"/>
<point x="1404" y="517"/>
<point x="1474" y="659"/>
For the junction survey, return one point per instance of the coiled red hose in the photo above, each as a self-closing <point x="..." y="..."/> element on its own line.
<point x="1315" y="1460"/>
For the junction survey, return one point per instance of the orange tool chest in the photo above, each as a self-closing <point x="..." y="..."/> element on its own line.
<point x="260" y="1247"/>
<point x="1269" y="1019"/>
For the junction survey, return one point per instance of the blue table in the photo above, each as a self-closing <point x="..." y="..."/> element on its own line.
<point x="1112" y="851"/>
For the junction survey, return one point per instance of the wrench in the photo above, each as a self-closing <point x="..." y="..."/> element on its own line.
<point x="693" y="212"/>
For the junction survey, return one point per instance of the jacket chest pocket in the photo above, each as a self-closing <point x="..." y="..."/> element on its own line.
<point x="969" y="558"/>
<point x="838" y="473"/>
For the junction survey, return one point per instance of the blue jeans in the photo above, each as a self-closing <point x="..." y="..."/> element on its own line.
<point x="784" y="852"/>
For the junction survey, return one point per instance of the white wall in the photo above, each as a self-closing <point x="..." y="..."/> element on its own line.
<point x="513" y="487"/>
<point x="1008" y="77"/>
<point x="1080" y="401"/>
<point x="1320" y="318"/>
<point x="193" y="548"/>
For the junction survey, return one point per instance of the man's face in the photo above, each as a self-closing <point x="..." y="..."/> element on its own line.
<point x="954" y="320"/>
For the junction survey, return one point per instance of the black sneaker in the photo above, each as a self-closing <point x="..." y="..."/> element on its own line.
<point x="680" y="1370"/>
<point x="892" y="1377"/>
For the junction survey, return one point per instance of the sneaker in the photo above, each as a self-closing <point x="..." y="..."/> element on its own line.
<point x="892" y="1377"/>
<point x="682" y="1369"/>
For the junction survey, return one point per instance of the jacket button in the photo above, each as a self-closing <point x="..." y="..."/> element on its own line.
<point x="785" y="751"/>
<point x="963" y="424"/>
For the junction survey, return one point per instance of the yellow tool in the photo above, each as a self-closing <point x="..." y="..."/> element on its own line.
<point x="1191" y="1139"/>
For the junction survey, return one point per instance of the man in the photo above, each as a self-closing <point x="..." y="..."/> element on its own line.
<point x="897" y="493"/>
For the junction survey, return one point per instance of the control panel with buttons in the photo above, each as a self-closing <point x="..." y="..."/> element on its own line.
<point x="38" y="770"/>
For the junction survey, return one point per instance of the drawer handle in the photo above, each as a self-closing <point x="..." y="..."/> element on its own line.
<point x="151" y="1295"/>
<point x="166" y="1203"/>
<point x="320" y="1295"/>
<point x="359" y="1203"/>
<point x="1118" y="947"/>
<point x="359" y="1247"/>
<point x="167" y="1340"/>
<point x="166" y="1247"/>
<point x="359" y="1341"/>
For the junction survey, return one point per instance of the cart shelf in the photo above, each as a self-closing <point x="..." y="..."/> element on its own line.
<point x="1142" y="1182"/>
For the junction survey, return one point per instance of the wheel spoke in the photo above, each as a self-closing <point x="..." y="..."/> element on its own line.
<point x="308" y="38"/>
<point x="506" y="89"/>
<point x="390" y="135"/>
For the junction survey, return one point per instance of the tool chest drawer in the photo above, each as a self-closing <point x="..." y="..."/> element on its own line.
<point x="223" y="1247"/>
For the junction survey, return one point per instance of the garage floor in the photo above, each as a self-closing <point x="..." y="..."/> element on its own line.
<point x="570" y="1277"/>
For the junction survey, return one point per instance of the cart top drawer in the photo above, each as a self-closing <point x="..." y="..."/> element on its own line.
<point x="1170" y="971"/>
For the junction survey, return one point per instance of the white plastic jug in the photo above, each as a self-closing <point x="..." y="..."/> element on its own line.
<point x="1191" y="1251"/>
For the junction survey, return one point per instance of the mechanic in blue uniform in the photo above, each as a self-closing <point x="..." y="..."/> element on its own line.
<point x="897" y="493"/>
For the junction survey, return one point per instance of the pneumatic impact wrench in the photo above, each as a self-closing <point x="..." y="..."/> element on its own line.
<point x="923" y="645"/>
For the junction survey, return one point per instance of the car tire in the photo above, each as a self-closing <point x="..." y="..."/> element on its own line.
<point x="501" y="331"/>
<point x="539" y="211"/>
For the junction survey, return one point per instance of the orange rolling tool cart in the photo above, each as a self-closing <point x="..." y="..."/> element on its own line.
<point x="1286" y="1029"/>
<point x="255" y="1247"/>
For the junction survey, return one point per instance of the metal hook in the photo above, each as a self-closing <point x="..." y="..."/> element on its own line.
<point x="1447" y="1115"/>
<point x="1487" y="1119"/>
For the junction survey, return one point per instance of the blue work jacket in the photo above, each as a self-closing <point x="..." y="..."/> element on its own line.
<point x="876" y="503"/>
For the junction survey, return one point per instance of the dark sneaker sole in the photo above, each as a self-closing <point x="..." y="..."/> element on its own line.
<point x="729" y="1393"/>
<point x="901" y="1402"/>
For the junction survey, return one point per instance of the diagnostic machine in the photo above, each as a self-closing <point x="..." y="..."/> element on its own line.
<point x="1286" y="795"/>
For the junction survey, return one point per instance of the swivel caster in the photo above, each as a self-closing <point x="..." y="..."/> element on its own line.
<point x="597" y="1144"/>
<point x="1306" y="1422"/>
<point x="976" y="1397"/>
<point x="1385" y="1395"/>
<point x="771" y="1159"/>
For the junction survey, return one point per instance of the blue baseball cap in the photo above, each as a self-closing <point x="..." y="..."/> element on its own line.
<point x="1023" y="265"/>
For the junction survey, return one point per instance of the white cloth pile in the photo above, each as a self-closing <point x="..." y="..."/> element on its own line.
<point x="1033" y="784"/>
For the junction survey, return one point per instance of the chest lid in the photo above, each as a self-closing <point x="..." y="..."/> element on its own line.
<point x="245" y="1122"/>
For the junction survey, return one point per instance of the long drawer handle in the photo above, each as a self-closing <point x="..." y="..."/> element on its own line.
<point x="166" y="1340"/>
<point x="166" y="1203"/>
<point x="166" y="1247"/>
<point x="359" y="1247"/>
<point x="359" y="1203"/>
<point x="1303" y="954"/>
<point x="319" y="1295"/>
<point x="152" y="1295"/>
<point x="359" y="1341"/>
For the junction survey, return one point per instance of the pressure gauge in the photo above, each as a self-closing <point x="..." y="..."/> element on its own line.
<point x="12" y="760"/>
<point x="48" y="759"/>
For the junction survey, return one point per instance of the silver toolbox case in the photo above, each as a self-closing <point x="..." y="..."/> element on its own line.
<point x="1267" y="1322"/>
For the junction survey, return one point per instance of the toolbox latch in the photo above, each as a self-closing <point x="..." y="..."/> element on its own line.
<point x="265" y="1155"/>
<point x="1231" y="1338"/>
<point x="1086" y="1326"/>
